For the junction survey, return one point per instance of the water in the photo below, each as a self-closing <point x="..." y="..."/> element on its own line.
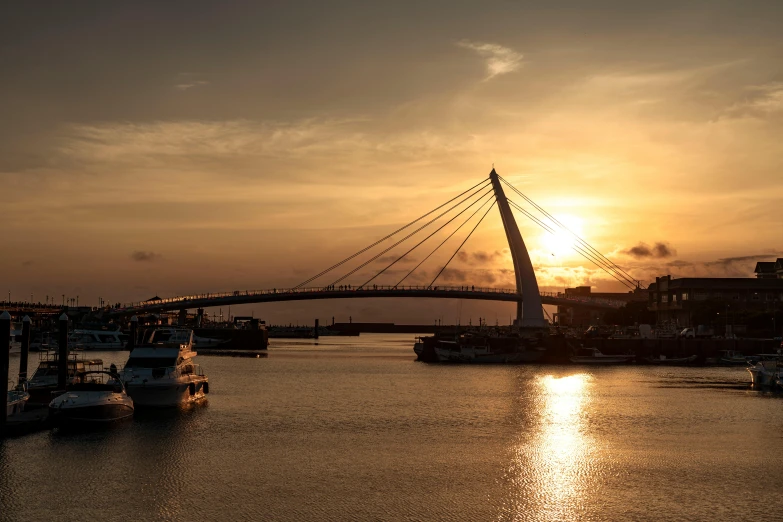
<point x="353" y="429"/>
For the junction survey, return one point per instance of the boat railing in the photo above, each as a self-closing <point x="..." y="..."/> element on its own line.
<point x="171" y="372"/>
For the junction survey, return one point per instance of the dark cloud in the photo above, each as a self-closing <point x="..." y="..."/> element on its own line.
<point x="659" y="250"/>
<point x="142" y="256"/>
<point x="479" y="257"/>
<point x="743" y="259"/>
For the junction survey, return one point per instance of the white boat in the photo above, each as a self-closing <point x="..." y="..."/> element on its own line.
<point x="594" y="356"/>
<point x="98" y="339"/>
<point x="487" y="349"/>
<point x="767" y="370"/>
<point x="17" y="398"/>
<point x="93" y="398"/>
<point x="44" y="380"/>
<point x="672" y="361"/>
<point x="161" y="372"/>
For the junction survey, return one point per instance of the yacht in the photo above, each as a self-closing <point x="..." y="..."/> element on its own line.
<point x="161" y="372"/>
<point x="17" y="398"/>
<point x="45" y="378"/>
<point x="594" y="356"/>
<point x="767" y="370"/>
<point x="98" y="339"/>
<point x="92" y="398"/>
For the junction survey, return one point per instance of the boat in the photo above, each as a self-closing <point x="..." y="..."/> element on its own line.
<point x="44" y="380"/>
<point x="418" y="346"/>
<point x="93" y="398"/>
<point x="728" y="358"/>
<point x="671" y="361"/>
<point x="488" y="348"/>
<point x="160" y="371"/>
<point x="17" y="398"/>
<point x="767" y="370"/>
<point x="98" y="339"/>
<point x="594" y="356"/>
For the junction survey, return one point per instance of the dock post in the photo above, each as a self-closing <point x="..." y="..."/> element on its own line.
<point x="5" y="347"/>
<point x="62" y="359"/>
<point x="183" y="318"/>
<point x="26" y="330"/>
<point x="199" y="317"/>
<point x="134" y="332"/>
<point x="315" y="331"/>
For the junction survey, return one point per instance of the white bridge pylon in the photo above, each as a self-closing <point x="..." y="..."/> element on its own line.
<point x="529" y="311"/>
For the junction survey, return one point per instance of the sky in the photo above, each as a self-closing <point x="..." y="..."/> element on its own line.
<point x="151" y="148"/>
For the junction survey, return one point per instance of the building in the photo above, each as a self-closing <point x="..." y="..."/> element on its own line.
<point x="579" y="316"/>
<point x="692" y="301"/>
<point x="770" y="269"/>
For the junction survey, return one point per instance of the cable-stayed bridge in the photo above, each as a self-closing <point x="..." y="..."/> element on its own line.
<point x="472" y="206"/>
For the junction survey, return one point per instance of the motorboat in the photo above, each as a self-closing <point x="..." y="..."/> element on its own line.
<point x="418" y="346"/>
<point x="767" y="370"/>
<point x="17" y="398"/>
<point x="594" y="356"/>
<point x="670" y="361"/>
<point x="93" y="398"/>
<point x="480" y="348"/>
<point x="161" y="372"/>
<point x="729" y="358"/>
<point x="44" y="380"/>
<point x="98" y="339"/>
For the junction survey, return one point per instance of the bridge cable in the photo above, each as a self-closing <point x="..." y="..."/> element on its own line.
<point x="386" y="237"/>
<point x="463" y="243"/>
<point x="442" y="243"/>
<point x="408" y="236"/>
<point x="488" y="192"/>
<point x="584" y="253"/>
<point x="617" y="268"/>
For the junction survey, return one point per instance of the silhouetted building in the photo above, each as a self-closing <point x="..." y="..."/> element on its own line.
<point x="580" y="316"/>
<point x="692" y="301"/>
<point x="770" y="269"/>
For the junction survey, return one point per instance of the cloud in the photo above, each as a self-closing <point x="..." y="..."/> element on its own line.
<point x="189" y="85"/>
<point x="643" y="250"/>
<point x="479" y="257"/>
<point x="761" y="100"/>
<point x="499" y="59"/>
<point x="390" y="258"/>
<point x="143" y="256"/>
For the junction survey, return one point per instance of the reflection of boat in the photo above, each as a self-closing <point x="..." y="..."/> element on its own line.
<point x="17" y="398"/>
<point x="44" y="380"/>
<point x="673" y="361"/>
<point x="93" y="398"/>
<point x="161" y="372"/>
<point x="478" y="348"/>
<point x="767" y="371"/>
<point x="594" y="356"/>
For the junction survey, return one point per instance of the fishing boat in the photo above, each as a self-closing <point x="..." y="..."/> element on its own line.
<point x="490" y="348"/>
<point x="161" y="371"/>
<point x="93" y="398"/>
<point x="594" y="356"/>
<point x="728" y="358"/>
<point x="670" y="361"/>
<point x="766" y="372"/>
<point x="44" y="380"/>
<point x="17" y="398"/>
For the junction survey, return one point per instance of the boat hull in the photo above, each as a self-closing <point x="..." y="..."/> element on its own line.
<point x="96" y="414"/>
<point x="605" y="359"/>
<point x="170" y="394"/>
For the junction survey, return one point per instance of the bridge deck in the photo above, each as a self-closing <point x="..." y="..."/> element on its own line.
<point x="239" y="297"/>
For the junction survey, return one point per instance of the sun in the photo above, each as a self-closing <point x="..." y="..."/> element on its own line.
<point x="562" y="242"/>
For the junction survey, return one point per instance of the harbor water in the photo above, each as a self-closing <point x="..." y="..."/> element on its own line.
<point x="351" y="428"/>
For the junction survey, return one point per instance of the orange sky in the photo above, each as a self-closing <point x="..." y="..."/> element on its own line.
<point x="191" y="147"/>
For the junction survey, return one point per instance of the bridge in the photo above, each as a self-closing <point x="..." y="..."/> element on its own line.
<point x="484" y="196"/>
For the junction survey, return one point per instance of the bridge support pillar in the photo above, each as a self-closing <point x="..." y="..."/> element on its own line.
<point x="183" y="317"/>
<point x="199" y="317"/>
<point x="529" y="311"/>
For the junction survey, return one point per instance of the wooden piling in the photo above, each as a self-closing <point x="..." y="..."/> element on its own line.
<point x="62" y="361"/>
<point x="26" y="332"/>
<point x="5" y="348"/>
<point x="134" y="329"/>
<point x="315" y="331"/>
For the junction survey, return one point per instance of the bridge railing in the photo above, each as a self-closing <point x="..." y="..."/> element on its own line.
<point x="342" y="289"/>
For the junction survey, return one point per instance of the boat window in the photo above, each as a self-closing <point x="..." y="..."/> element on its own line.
<point x="107" y="338"/>
<point x="150" y="362"/>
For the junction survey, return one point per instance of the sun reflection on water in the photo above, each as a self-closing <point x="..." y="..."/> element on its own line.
<point x="553" y="462"/>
